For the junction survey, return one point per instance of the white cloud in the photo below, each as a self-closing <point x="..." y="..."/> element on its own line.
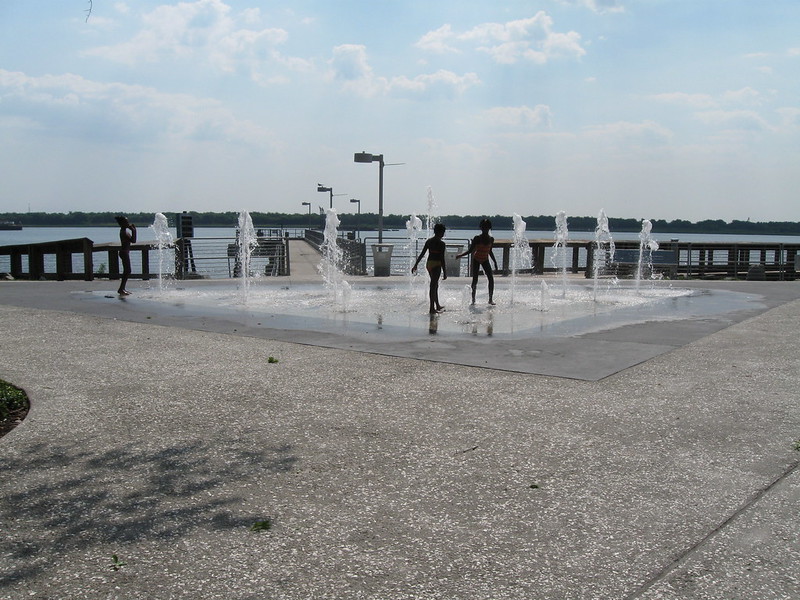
<point x="436" y="41"/>
<point x="520" y="117"/>
<point x="598" y="6"/>
<point x="684" y="99"/>
<point x="631" y="135"/>
<point x="350" y="63"/>
<point x="206" y="31"/>
<point x="72" y="106"/>
<point x="350" y="66"/>
<point x="742" y="120"/>
<point x="790" y="117"/>
<point x="446" y="82"/>
<point x="745" y="96"/>
<point x="532" y="39"/>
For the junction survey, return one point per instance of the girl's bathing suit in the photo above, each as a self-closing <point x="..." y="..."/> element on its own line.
<point x="481" y="253"/>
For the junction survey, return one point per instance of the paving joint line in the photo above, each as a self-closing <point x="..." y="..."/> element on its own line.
<point x="694" y="548"/>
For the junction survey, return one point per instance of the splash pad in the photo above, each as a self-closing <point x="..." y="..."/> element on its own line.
<point x="589" y="330"/>
<point x="398" y="310"/>
<point x="554" y="324"/>
<point x="576" y="337"/>
<point x="523" y="303"/>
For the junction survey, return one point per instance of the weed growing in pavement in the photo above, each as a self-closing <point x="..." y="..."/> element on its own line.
<point x="264" y="525"/>
<point x="116" y="563"/>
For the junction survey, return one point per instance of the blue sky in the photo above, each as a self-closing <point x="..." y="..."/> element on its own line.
<point x="658" y="109"/>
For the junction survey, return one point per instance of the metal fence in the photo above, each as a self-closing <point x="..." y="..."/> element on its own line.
<point x="222" y="257"/>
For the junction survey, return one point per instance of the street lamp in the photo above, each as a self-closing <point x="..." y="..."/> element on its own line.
<point x="359" y="215"/>
<point x="308" y="204"/>
<point x="322" y="188"/>
<point x="366" y="157"/>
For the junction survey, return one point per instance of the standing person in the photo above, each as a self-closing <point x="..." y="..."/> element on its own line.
<point x="127" y="236"/>
<point x="436" y="266"/>
<point x="481" y="249"/>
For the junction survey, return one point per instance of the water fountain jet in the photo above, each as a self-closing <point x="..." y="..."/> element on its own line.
<point x="163" y="237"/>
<point x="521" y="255"/>
<point x="413" y="228"/>
<point x="603" y="250"/>
<point x="560" y="249"/>
<point x="646" y="247"/>
<point x="246" y="241"/>
<point x="330" y="265"/>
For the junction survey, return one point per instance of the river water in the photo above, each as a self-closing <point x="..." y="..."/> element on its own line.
<point x="99" y="235"/>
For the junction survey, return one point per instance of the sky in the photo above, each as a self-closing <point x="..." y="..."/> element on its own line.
<point x="656" y="109"/>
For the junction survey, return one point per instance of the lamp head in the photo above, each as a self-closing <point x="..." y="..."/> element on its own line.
<point x="363" y="157"/>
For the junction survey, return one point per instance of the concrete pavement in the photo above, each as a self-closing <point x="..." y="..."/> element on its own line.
<point x="387" y="476"/>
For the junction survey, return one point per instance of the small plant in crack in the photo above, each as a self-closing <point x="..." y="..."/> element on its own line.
<point x="264" y="525"/>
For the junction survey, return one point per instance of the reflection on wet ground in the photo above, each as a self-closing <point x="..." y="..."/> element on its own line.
<point x="400" y="310"/>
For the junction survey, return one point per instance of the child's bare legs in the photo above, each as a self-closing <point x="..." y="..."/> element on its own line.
<point x="435" y="273"/>
<point x="476" y="269"/>
<point x="125" y="257"/>
<point x="487" y="269"/>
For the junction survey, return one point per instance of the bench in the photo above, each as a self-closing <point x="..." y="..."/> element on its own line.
<point x="626" y="261"/>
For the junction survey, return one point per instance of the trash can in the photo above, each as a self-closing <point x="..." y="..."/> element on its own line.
<point x="382" y="259"/>
<point x="453" y="263"/>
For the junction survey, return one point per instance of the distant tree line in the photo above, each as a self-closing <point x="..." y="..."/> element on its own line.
<point x="368" y="221"/>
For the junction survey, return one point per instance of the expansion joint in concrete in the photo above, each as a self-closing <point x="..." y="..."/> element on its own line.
<point x="697" y="546"/>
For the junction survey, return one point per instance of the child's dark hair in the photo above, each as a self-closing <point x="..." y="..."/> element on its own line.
<point x="485" y="223"/>
<point x="439" y="229"/>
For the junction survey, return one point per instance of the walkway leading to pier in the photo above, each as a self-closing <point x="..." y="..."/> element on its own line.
<point x="303" y="260"/>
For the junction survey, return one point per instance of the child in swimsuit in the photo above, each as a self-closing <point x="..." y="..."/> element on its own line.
<point x="435" y="247"/>
<point x="481" y="250"/>
<point x="127" y="237"/>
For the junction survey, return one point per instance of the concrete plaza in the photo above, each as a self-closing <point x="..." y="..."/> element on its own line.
<point x="386" y="475"/>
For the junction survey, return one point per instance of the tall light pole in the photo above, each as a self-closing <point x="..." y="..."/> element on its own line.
<point x="359" y="215"/>
<point x="322" y="188"/>
<point x="308" y="204"/>
<point x="366" y="157"/>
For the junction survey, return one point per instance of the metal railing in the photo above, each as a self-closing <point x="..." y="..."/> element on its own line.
<point x="221" y="257"/>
